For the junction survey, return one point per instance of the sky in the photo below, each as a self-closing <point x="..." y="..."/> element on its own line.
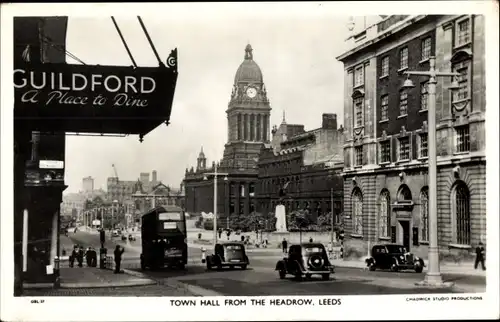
<point x="295" y="52"/>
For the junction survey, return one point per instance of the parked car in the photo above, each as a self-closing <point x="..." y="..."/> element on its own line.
<point x="131" y="238"/>
<point x="393" y="257"/>
<point x="305" y="260"/>
<point x="124" y="238"/>
<point x="115" y="233"/>
<point x="230" y="254"/>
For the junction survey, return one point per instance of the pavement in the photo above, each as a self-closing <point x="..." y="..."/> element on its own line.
<point x="260" y="278"/>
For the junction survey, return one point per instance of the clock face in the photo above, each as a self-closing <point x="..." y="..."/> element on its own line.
<point x="251" y="92"/>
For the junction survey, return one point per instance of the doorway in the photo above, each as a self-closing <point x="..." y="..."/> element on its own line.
<point x="405" y="234"/>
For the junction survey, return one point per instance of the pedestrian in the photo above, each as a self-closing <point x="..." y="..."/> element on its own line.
<point x="220" y="233"/>
<point x="480" y="254"/>
<point x="228" y="233"/>
<point x="80" y="257"/>
<point x="88" y="256"/>
<point x="73" y="256"/>
<point x="118" y="258"/>
<point x="284" y="245"/>
<point x="310" y="239"/>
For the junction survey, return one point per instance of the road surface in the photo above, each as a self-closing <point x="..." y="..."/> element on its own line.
<point x="260" y="278"/>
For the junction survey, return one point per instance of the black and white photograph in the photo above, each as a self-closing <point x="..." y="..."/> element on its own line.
<point x="228" y="161"/>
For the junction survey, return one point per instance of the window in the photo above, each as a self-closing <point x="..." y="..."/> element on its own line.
<point x="384" y="215"/>
<point x="463" y="32"/>
<point x="384" y="107"/>
<point x="403" y="58"/>
<point x="359" y="77"/>
<point x="463" y="141"/>
<point x="424" y="214"/>
<point x="358" y="151"/>
<point x="404" y="194"/>
<point x="424" y="95"/>
<point x="385" y="151"/>
<point x="358" y="110"/>
<point x="357" y="212"/>
<point x="462" y="92"/>
<point x="384" y="66"/>
<point x="404" y="148"/>
<point x="426" y="48"/>
<point x="423" y="149"/>
<point x="403" y="103"/>
<point x="462" y="214"/>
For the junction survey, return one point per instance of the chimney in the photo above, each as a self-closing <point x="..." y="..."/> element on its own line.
<point x="154" y="176"/>
<point x="329" y="121"/>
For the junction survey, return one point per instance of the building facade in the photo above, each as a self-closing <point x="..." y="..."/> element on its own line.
<point x="385" y="150"/>
<point x="308" y="164"/>
<point x="122" y="190"/>
<point x="248" y="129"/>
<point x="88" y="184"/>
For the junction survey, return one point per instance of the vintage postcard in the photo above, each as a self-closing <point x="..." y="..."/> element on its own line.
<point x="249" y="161"/>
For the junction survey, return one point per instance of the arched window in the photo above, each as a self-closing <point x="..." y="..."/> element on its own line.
<point x="384" y="214"/>
<point x="357" y="212"/>
<point x="404" y="194"/>
<point x="424" y="214"/>
<point x="462" y="214"/>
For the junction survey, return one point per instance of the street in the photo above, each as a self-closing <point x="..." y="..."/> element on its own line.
<point x="261" y="278"/>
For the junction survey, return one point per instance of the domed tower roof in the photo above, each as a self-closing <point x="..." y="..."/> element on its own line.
<point x="248" y="71"/>
<point x="201" y="155"/>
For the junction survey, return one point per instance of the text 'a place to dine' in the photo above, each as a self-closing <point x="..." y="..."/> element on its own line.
<point x="257" y="302"/>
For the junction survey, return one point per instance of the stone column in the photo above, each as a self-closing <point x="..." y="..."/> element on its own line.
<point x="245" y="127"/>
<point x="53" y="239"/>
<point x="247" y="199"/>
<point x="237" y="198"/>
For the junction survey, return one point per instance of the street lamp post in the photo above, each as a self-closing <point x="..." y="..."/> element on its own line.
<point x="332" y="221"/>
<point x="215" y="174"/>
<point x="113" y="214"/>
<point x="433" y="276"/>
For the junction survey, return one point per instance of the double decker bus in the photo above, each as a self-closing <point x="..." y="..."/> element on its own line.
<point x="164" y="238"/>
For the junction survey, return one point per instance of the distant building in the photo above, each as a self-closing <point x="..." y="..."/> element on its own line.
<point x="122" y="190"/>
<point x="308" y="164"/>
<point x="88" y="184"/>
<point x="385" y="151"/>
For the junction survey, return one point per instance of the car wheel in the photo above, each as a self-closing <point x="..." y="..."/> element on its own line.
<point x="325" y="277"/>
<point x="282" y="273"/>
<point x="219" y="267"/>
<point x="419" y="269"/>
<point x="182" y="266"/>
<point x="371" y="267"/>
<point x="394" y="267"/>
<point x="308" y="276"/>
<point x="243" y="267"/>
<point x="298" y="276"/>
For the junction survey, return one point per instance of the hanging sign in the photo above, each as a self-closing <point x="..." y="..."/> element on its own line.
<point x="94" y="98"/>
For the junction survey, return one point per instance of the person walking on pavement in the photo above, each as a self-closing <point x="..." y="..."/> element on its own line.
<point x="284" y="245"/>
<point x="310" y="239"/>
<point x="88" y="255"/>
<point x="480" y="256"/>
<point x="73" y="256"/>
<point x="118" y="258"/>
<point x="80" y="257"/>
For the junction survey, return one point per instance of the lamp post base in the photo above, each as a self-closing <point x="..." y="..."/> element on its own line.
<point x="434" y="281"/>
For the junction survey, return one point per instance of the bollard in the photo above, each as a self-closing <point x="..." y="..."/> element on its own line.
<point x="203" y="255"/>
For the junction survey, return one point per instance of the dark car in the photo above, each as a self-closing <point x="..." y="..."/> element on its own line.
<point x="306" y="259"/>
<point x="394" y="257"/>
<point x="231" y="254"/>
<point x="124" y="238"/>
<point x="131" y="238"/>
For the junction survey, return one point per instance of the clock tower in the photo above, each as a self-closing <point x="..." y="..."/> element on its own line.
<point x="247" y="116"/>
